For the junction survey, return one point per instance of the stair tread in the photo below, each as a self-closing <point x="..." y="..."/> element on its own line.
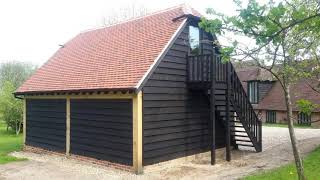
<point x="249" y="145"/>
<point x="243" y="140"/>
<point x="235" y="121"/>
<point x="236" y="126"/>
<point x="222" y="110"/>
<point x="239" y="135"/>
<point x="232" y="130"/>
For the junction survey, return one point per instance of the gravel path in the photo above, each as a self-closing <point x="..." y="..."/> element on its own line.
<point x="276" y="152"/>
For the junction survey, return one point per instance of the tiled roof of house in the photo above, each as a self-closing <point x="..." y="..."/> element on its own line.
<point x="253" y="74"/>
<point x="275" y="98"/>
<point x="114" y="57"/>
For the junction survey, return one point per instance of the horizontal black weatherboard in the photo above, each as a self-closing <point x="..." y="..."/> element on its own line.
<point x="46" y="124"/>
<point x="176" y="120"/>
<point x="102" y="129"/>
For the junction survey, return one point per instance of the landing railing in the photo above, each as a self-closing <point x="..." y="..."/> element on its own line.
<point x="199" y="68"/>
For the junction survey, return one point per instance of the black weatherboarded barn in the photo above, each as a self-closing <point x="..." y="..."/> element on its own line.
<point x="46" y="124"/>
<point x="167" y="95"/>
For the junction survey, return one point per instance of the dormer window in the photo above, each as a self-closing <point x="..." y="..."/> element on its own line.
<point x="194" y="40"/>
<point x="253" y="91"/>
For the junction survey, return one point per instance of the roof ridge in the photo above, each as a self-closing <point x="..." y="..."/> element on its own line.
<point x="138" y="17"/>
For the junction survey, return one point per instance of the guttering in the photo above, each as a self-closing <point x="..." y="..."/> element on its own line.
<point x="17" y="96"/>
<point x="76" y="91"/>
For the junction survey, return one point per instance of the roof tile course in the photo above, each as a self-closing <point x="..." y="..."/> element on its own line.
<point x="114" y="57"/>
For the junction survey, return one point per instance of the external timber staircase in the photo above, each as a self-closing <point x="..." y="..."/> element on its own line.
<point x="229" y="104"/>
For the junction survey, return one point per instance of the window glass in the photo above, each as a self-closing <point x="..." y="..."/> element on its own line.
<point x="304" y="119"/>
<point x="194" y="40"/>
<point x="253" y="91"/>
<point x="271" y="117"/>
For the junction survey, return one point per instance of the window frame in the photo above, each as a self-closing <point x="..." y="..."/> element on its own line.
<point x="253" y="100"/>
<point x="271" y="116"/>
<point x="190" y="52"/>
<point x="304" y="119"/>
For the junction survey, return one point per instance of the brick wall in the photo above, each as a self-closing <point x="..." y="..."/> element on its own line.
<point x="81" y="158"/>
<point x="282" y="117"/>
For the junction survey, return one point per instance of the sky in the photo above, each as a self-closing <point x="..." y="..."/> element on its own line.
<point x="32" y="30"/>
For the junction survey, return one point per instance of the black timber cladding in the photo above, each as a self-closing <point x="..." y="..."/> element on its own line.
<point x="46" y="123"/>
<point x="175" y="119"/>
<point x="102" y="129"/>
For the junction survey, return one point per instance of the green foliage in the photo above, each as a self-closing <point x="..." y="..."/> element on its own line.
<point x="9" y="142"/>
<point x="286" y="35"/>
<point x="10" y="108"/>
<point x="213" y="26"/>
<point x="311" y="164"/>
<point x="12" y="75"/>
<point x="306" y="106"/>
<point x="226" y="53"/>
<point x="293" y="27"/>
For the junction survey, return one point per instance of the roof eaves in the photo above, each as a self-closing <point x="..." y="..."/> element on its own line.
<point x="129" y="89"/>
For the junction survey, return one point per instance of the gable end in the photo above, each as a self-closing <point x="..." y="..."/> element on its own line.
<point x="157" y="61"/>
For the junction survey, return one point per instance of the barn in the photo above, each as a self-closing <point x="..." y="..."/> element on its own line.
<point x="139" y="92"/>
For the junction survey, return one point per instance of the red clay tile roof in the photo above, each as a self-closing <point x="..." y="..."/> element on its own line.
<point x="275" y="99"/>
<point x="114" y="57"/>
<point x="254" y="73"/>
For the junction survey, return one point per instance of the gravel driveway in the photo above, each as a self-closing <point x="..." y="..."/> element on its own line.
<point x="276" y="151"/>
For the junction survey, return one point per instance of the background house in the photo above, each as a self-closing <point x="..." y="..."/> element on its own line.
<point x="267" y="97"/>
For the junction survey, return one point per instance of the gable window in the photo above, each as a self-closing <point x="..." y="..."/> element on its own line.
<point x="194" y="40"/>
<point x="253" y="91"/>
<point x="304" y="119"/>
<point x="271" y="117"/>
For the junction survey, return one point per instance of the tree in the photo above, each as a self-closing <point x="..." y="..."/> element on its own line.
<point x="15" y="72"/>
<point x="10" y="108"/>
<point x="125" y="13"/>
<point x="286" y="39"/>
<point x="12" y="75"/>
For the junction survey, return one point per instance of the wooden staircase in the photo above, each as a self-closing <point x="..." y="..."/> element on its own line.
<point x="229" y="104"/>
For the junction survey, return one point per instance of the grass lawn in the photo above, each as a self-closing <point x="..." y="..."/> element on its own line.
<point x="9" y="142"/>
<point x="285" y="125"/>
<point x="311" y="168"/>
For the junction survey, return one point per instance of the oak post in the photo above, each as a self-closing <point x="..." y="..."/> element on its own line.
<point x="213" y="109"/>
<point x="24" y="121"/>
<point x="228" y="152"/>
<point x="137" y="133"/>
<point x="68" y="127"/>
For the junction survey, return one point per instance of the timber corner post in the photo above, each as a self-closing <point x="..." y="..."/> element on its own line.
<point x="67" y="126"/>
<point x="260" y="136"/>
<point x="24" y="121"/>
<point x="213" y="110"/>
<point x="228" y="79"/>
<point x="137" y="133"/>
